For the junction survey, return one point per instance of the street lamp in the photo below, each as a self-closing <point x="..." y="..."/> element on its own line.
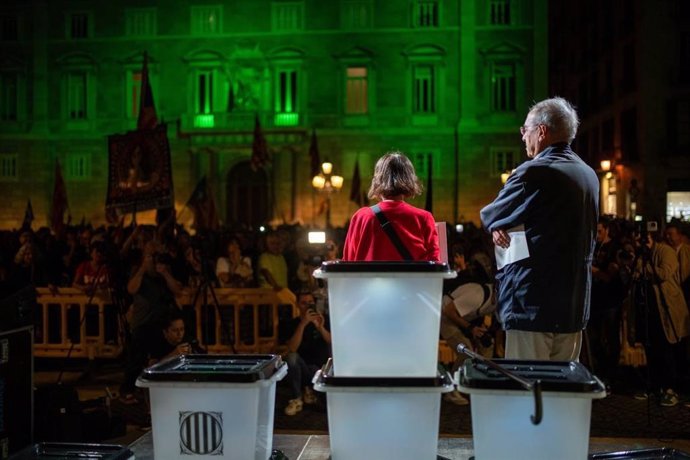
<point x="506" y="175"/>
<point x="327" y="182"/>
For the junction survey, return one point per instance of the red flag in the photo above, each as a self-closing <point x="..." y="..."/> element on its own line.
<point x="259" y="147"/>
<point x="314" y="155"/>
<point x="59" y="205"/>
<point x="203" y="205"/>
<point x="356" y="194"/>
<point x="147" y="109"/>
<point x="28" y="216"/>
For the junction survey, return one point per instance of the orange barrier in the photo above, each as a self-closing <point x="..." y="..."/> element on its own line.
<point x="59" y="325"/>
<point x="246" y="321"/>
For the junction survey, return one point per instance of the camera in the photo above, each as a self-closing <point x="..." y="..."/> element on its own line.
<point x="162" y="258"/>
<point x="644" y="227"/>
<point x="486" y="340"/>
<point x="314" y="261"/>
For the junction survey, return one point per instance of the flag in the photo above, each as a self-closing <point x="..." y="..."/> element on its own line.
<point x="314" y="155"/>
<point x="59" y="204"/>
<point x="111" y="215"/>
<point x="28" y="216"/>
<point x="139" y="171"/>
<point x="356" y="194"/>
<point x="259" y="147"/>
<point x="429" y="193"/>
<point x="203" y="206"/>
<point x="147" y="109"/>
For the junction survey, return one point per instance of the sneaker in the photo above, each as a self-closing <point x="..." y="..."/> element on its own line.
<point x="669" y="398"/>
<point x="309" y="397"/>
<point x="294" y="406"/>
<point x="456" y="398"/>
<point x="642" y="396"/>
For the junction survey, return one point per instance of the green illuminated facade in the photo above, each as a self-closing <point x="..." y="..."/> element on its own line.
<point x="450" y="79"/>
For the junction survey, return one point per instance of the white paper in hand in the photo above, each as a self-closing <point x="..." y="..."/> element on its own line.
<point x="516" y="251"/>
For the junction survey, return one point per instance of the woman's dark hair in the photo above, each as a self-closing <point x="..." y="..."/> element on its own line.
<point x="394" y="175"/>
<point x="172" y="316"/>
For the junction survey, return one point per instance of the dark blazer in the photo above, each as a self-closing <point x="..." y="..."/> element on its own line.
<point x="555" y="195"/>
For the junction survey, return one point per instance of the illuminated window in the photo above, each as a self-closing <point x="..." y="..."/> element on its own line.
<point x="204" y="91"/>
<point x="499" y="12"/>
<point x="424" y="91"/>
<point x="9" y="28"/>
<point x="78" y="166"/>
<point x="140" y="22"/>
<point x="286" y="98"/>
<point x="287" y="16"/>
<point x="503" y="87"/>
<point x="426" y="13"/>
<point x="206" y="19"/>
<point x="8" y="167"/>
<point x="9" y="97"/>
<point x="677" y="205"/>
<point x="502" y="160"/>
<point x="78" y="25"/>
<point x="76" y="95"/>
<point x="356" y="14"/>
<point x="356" y="90"/>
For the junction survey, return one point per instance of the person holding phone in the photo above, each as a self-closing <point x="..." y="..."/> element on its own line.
<point x="308" y="340"/>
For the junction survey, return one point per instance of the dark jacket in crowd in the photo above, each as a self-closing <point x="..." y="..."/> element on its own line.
<point x="555" y="195"/>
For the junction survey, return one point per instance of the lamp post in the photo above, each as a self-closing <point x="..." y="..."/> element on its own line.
<point x="327" y="182"/>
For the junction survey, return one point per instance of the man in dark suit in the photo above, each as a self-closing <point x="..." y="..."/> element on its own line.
<point x="543" y="299"/>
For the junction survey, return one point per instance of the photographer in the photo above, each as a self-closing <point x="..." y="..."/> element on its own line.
<point x="153" y="289"/>
<point x="172" y="342"/>
<point x="468" y="304"/>
<point x="662" y="314"/>
<point x="309" y="347"/>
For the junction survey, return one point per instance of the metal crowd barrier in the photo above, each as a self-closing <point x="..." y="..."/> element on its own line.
<point x="66" y="319"/>
<point x="245" y="321"/>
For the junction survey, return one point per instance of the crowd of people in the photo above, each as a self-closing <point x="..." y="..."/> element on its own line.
<point x="575" y="281"/>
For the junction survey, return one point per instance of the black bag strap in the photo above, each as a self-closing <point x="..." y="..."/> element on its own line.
<point x="390" y="231"/>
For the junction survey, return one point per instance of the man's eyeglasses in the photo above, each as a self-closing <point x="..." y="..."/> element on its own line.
<point x="524" y="129"/>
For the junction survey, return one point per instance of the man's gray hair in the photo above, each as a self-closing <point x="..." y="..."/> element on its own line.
<point x="558" y="115"/>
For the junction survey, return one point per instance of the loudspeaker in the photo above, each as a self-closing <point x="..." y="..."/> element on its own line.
<point x="16" y="382"/>
<point x="58" y="414"/>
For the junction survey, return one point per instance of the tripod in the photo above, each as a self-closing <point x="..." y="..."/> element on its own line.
<point x="91" y="290"/>
<point x="202" y="291"/>
<point x="650" y="303"/>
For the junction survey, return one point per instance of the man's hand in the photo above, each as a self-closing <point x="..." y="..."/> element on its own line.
<point x="478" y="331"/>
<point x="183" y="349"/>
<point x="501" y="238"/>
<point x="316" y="318"/>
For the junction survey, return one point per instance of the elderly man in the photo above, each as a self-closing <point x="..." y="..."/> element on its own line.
<point x="543" y="299"/>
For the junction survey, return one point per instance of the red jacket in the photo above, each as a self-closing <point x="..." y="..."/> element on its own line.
<point x="367" y="241"/>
